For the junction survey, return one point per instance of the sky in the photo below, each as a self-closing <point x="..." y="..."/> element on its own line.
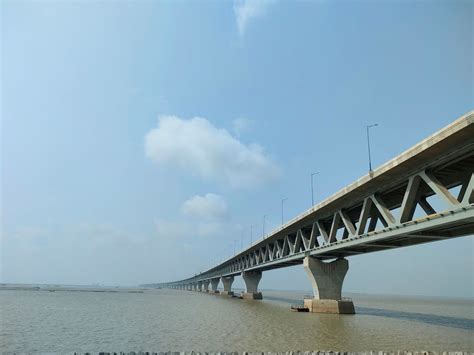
<point x="141" y="140"/>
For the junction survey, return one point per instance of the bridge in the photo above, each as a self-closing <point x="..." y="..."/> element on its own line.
<point x="423" y="195"/>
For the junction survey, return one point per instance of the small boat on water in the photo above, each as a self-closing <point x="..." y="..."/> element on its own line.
<point x="299" y="308"/>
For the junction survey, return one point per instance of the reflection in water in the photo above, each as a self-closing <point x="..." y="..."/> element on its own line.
<point x="453" y="322"/>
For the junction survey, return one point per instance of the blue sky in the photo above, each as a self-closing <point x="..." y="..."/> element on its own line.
<point x="142" y="139"/>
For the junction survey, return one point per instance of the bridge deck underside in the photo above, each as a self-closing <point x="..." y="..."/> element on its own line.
<point x="395" y="242"/>
<point x="449" y="226"/>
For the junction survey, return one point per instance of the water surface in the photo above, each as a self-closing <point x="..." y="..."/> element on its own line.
<point x="173" y="320"/>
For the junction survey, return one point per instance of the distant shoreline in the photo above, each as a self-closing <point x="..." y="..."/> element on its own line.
<point x="58" y="288"/>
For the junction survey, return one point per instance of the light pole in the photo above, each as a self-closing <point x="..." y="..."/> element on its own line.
<point x="263" y="229"/>
<point x="242" y="239"/>
<point x="282" y="201"/>
<point x="312" y="188"/>
<point x="368" y="144"/>
<point x="251" y="233"/>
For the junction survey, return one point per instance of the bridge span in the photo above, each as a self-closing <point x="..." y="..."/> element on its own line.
<point x="423" y="195"/>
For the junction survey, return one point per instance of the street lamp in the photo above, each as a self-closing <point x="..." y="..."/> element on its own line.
<point x="312" y="188"/>
<point x="251" y="232"/>
<point x="368" y="144"/>
<point x="282" y="200"/>
<point x="263" y="230"/>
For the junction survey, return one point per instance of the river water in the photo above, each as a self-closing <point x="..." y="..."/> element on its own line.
<point x="173" y="320"/>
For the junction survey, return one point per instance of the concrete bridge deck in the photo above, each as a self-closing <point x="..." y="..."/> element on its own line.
<point x="376" y="212"/>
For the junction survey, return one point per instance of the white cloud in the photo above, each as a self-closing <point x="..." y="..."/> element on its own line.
<point x="199" y="148"/>
<point x="209" y="206"/>
<point x="245" y="10"/>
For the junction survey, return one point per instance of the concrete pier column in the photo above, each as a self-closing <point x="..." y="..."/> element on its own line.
<point x="251" y="279"/>
<point x="205" y="285"/>
<point x="199" y="286"/>
<point x="327" y="279"/>
<point x="214" y="284"/>
<point x="227" y="282"/>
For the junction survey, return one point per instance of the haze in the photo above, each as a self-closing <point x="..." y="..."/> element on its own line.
<point x="141" y="140"/>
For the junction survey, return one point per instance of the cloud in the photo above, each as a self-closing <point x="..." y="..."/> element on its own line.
<point x="245" y="10"/>
<point x="199" y="148"/>
<point x="209" y="206"/>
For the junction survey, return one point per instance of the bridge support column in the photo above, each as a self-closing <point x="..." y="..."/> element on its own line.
<point x="327" y="279"/>
<point x="205" y="285"/>
<point x="227" y="282"/>
<point x="199" y="286"/>
<point x="251" y="279"/>
<point x="214" y="284"/>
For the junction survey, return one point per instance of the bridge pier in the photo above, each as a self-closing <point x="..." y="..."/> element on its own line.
<point x="214" y="284"/>
<point x="327" y="279"/>
<point x="251" y="279"/>
<point x="199" y="286"/>
<point x="205" y="284"/>
<point x="227" y="282"/>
